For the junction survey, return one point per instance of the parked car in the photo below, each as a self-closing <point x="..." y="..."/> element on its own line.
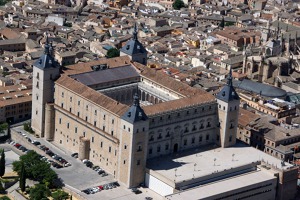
<point x="85" y="161"/>
<point x="104" y="174"/>
<point x="95" y="189"/>
<point x="75" y="155"/>
<point x="35" y="142"/>
<point x="89" y="164"/>
<point x="67" y="164"/>
<point x="17" y="145"/>
<point x="116" y="184"/>
<point x="49" y="152"/>
<point x="100" y="187"/>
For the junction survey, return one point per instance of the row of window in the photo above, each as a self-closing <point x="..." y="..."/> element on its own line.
<point x="188" y="112"/>
<point x="244" y="191"/>
<point x="185" y="143"/>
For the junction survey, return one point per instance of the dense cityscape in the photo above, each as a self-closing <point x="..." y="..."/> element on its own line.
<point x="150" y="99"/>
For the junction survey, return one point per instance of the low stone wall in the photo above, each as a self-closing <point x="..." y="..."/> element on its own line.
<point x="72" y="191"/>
<point x="15" y="136"/>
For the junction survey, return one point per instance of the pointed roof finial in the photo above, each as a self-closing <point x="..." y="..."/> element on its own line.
<point x="136" y="100"/>
<point x="46" y="46"/>
<point x="229" y="78"/>
<point x="135" y="32"/>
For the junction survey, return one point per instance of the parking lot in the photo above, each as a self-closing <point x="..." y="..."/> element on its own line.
<point x="78" y="176"/>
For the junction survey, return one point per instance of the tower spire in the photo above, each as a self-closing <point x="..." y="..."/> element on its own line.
<point x="135" y="32"/>
<point x="46" y="47"/>
<point x="229" y="78"/>
<point x="136" y="100"/>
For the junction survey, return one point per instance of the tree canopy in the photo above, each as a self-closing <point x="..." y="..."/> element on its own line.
<point x="35" y="168"/>
<point x="60" y="195"/>
<point x="113" y="52"/>
<point x="178" y="4"/>
<point x="39" y="192"/>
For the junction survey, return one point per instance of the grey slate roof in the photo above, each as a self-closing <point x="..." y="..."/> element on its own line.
<point x="228" y="93"/>
<point x="46" y="60"/>
<point x="107" y="75"/>
<point x="135" y="113"/>
<point x="133" y="46"/>
<point x="260" y="88"/>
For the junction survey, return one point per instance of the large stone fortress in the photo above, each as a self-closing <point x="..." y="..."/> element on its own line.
<point x="120" y="114"/>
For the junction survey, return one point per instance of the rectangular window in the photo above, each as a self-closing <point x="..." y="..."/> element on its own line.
<point x="207" y="137"/>
<point x="112" y="121"/>
<point x="78" y="114"/>
<point x="75" y="129"/>
<point x="103" y="117"/>
<point x="112" y="133"/>
<point x="150" y="151"/>
<point x="200" y="138"/>
<point x="68" y="125"/>
<point x="83" y="134"/>
<point x="96" y="112"/>
<point x="139" y="148"/>
<point x="92" y="139"/>
<point x="95" y="123"/>
<point x="62" y="94"/>
<point x="158" y="148"/>
<point x="101" y="144"/>
<point x="185" y="142"/>
<point x="103" y="128"/>
<point x="167" y="147"/>
<point x="138" y="162"/>
<point x="70" y="99"/>
<point x="59" y="120"/>
<point x="79" y="103"/>
<point x="109" y="149"/>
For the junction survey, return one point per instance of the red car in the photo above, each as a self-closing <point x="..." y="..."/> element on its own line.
<point x="100" y="187"/>
<point x="17" y="145"/>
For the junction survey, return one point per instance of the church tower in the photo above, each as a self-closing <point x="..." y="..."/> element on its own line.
<point x="134" y="49"/>
<point x="133" y="145"/>
<point x="228" y="110"/>
<point x="45" y="72"/>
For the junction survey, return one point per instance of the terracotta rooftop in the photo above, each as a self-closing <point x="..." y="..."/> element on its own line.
<point x="246" y="117"/>
<point x="10" y="95"/>
<point x="168" y="82"/>
<point x="96" y="97"/>
<point x="178" y="104"/>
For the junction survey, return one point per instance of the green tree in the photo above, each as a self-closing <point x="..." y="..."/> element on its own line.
<point x="60" y="195"/>
<point x="113" y="52"/>
<point x="3" y="127"/>
<point x="35" y="168"/>
<point x="22" y="180"/>
<point x="39" y="192"/>
<point x="4" y="198"/>
<point x="2" y="163"/>
<point x="178" y="4"/>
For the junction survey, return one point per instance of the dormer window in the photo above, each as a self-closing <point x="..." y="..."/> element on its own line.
<point x="128" y="47"/>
